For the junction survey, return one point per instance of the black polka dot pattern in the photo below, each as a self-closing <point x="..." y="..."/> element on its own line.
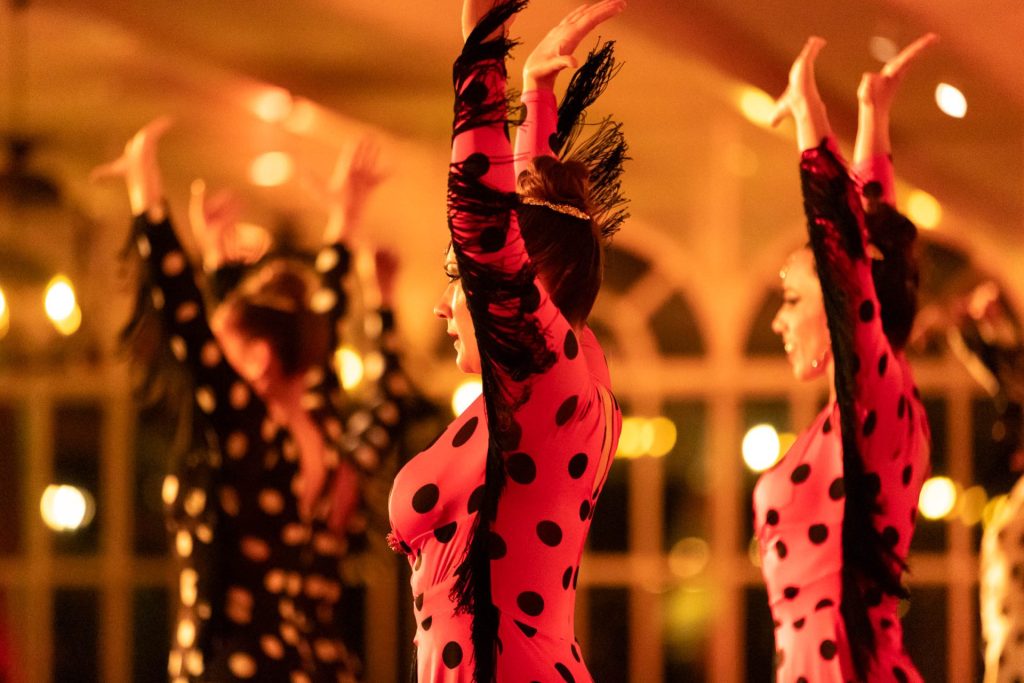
<point x="901" y="408"/>
<point x="790" y="592"/>
<point x="818" y="534"/>
<point x="900" y="675"/>
<point x="883" y="364"/>
<point x="549" y="533"/>
<point x="446" y="532"/>
<point x="476" y="165"/>
<point x="772" y="517"/>
<point x="837" y="489"/>
<point x="451" y="655"/>
<point x="521" y="468"/>
<point x="827" y="427"/>
<point x="824" y="604"/>
<point x="427" y="623"/>
<point x="799" y="623"/>
<point x="497" y="547"/>
<point x="578" y="465"/>
<point x="571" y="347"/>
<point x="424" y="500"/>
<point x="869" y="423"/>
<point x="564" y="672"/>
<point x="867" y="311"/>
<point x="531" y="603"/>
<point x="908" y="473"/>
<point x="528" y="631"/>
<point x="566" y="578"/>
<point x="566" y="411"/>
<point x="828" y="649"/>
<point x="465" y="432"/>
<point x="800" y="474"/>
<point x="781" y="549"/>
<point x="585" y="510"/>
<point x="890" y="536"/>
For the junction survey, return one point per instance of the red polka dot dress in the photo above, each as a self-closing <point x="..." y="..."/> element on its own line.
<point x="557" y="440"/>
<point x="260" y="590"/>
<point x="799" y="504"/>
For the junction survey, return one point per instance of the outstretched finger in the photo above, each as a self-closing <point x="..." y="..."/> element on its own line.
<point x="197" y="207"/>
<point x="810" y="51"/>
<point x="896" y="66"/>
<point x="593" y="15"/>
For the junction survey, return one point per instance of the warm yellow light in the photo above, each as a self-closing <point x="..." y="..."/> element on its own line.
<point x="938" y="498"/>
<point x="972" y="505"/>
<point x="59" y="300"/>
<point x="883" y="49"/>
<point x="761" y="447"/>
<point x="273" y="105"/>
<point x="993" y="508"/>
<point x="66" y="508"/>
<point x="924" y="210"/>
<point x="465" y="394"/>
<point x="665" y="435"/>
<point x="689" y="557"/>
<point x="302" y="118"/>
<point x="754" y="552"/>
<point x="271" y="169"/>
<point x="5" y="315"/>
<point x="350" y="367"/>
<point x="69" y="325"/>
<point x="951" y="101"/>
<point x="636" y="438"/>
<point x="757" y="106"/>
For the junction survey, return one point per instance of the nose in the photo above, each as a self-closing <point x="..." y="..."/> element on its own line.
<point x="443" y="306"/>
<point x="777" y="324"/>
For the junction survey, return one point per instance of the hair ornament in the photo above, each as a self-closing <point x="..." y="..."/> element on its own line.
<point x="567" y="209"/>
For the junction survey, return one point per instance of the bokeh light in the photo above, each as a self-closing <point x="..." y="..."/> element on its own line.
<point x="761" y="447"/>
<point x="938" y="498"/>
<point x="273" y="105"/>
<point x="924" y="210"/>
<point x="951" y="101"/>
<point x="271" y="169"/>
<point x="465" y="394"/>
<point x="350" y="367"/>
<point x="757" y="106"/>
<point x="66" y="508"/>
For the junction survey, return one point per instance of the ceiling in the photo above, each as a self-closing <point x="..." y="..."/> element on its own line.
<point x="79" y="77"/>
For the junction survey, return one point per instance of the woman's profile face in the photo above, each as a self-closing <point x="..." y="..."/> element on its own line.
<point x="452" y="308"/>
<point x="248" y="357"/>
<point x="801" y="321"/>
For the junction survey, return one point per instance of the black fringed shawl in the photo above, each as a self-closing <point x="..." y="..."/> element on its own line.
<point x="837" y="238"/>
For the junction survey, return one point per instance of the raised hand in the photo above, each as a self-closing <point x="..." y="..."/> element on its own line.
<point x="219" y="235"/>
<point x="801" y="84"/>
<point x="138" y="166"/>
<point x="554" y="52"/>
<point x="879" y="89"/>
<point x="386" y="266"/>
<point x="355" y="177"/>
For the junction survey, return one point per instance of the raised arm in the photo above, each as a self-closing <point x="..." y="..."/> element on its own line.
<point x="872" y="152"/>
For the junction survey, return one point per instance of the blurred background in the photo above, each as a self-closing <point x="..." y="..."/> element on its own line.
<point x="266" y="95"/>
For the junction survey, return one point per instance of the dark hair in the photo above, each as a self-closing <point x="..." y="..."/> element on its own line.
<point x="896" y="275"/>
<point x="273" y="304"/>
<point x="567" y="251"/>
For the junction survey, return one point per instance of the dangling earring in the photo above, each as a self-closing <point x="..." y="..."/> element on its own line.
<point x="815" y="363"/>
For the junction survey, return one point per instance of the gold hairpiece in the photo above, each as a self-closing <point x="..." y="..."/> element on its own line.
<point x="567" y="209"/>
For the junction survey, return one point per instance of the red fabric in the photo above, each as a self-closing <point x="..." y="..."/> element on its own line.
<point x="798" y="504"/>
<point x="554" y="477"/>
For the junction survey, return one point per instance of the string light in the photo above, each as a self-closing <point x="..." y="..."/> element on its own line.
<point x="273" y="105"/>
<point x="757" y="106"/>
<point x="951" y="101"/>
<point x="924" y="210"/>
<point x="61" y="305"/>
<point x="271" y="169"/>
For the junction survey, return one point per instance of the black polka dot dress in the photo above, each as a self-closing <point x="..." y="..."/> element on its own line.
<point x="557" y="451"/>
<point x="799" y="504"/>
<point x="1002" y="590"/>
<point x="260" y="593"/>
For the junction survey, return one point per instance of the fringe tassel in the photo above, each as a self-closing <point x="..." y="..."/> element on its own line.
<point x="832" y="209"/>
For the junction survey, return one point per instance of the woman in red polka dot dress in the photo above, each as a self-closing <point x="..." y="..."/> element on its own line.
<point x="834" y="518"/>
<point x="494" y="515"/>
<point x="264" y="507"/>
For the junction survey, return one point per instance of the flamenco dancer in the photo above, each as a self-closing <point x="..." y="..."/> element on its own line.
<point x="834" y="518"/>
<point x="263" y="509"/>
<point x="493" y="517"/>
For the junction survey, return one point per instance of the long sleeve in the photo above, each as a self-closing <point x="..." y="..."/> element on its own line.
<point x="534" y="135"/>
<point x="877" y="169"/>
<point x="878" y="378"/>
